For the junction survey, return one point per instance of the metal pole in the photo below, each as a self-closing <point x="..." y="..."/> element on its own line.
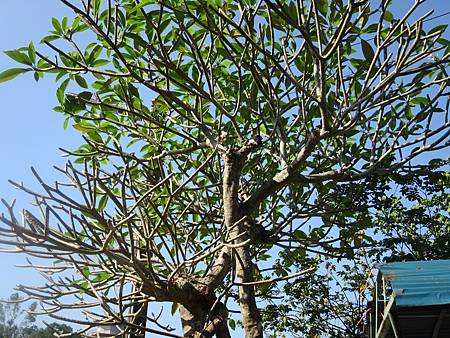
<point x="376" y="309"/>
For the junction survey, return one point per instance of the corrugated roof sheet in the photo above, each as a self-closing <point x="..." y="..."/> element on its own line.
<point x="419" y="283"/>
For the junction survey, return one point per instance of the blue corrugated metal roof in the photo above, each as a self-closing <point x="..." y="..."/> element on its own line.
<point x="419" y="283"/>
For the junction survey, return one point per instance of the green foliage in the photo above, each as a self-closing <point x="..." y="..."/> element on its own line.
<point x="12" y="73"/>
<point x="415" y="224"/>
<point x="48" y="332"/>
<point x="406" y="216"/>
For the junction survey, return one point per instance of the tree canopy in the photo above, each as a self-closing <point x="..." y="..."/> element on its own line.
<point x="227" y="143"/>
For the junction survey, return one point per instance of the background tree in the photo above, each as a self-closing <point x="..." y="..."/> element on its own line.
<point x="49" y="331"/>
<point x="415" y="222"/>
<point x="17" y="322"/>
<point x="217" y="133"/>
<point x="409" y="219"/>
<point x="13" y="318"/>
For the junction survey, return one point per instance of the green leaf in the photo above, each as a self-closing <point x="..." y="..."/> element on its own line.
<point x="419" y="101"/>
<point x="19" y="57"/>
<point x="85" y="272"/>
<point x="58" y="109"/>
<point x="141" y="4"/>
<point x="49" y="38"/>
<point x="367" y="50"/>
<point x="322" y="6"/>
<point x="12" y="73"/>
<point x="83" y="128"/>
<point x="81" y="81"/>
<point x="232" y="324"/>
<point x="85" y="95"/>
<point x="100" y="62"/>
<point x="388" y="16"/>
<point x="76" y="23"/>
<point x="103" y="201"/>
<point x="32" y="52"/>
<point x="61" y="90"/>
<point x="174" y="308"/>
<point x="84" y="286"/>
<point x="64" y="24"/>
<point x="60" y="75"/>
<point x="93" y="135"/>
<point x="421" y="116"/>
<point x="56" y="25"/>
<point x="263" y="130"/>
<point x="101" y="277"/>
<point x="439" y="28"/>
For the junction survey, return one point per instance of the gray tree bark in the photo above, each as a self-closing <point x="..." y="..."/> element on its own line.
<point x="234" y="221"/>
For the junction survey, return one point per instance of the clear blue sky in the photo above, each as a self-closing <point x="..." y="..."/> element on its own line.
<point x="30" y="132"/>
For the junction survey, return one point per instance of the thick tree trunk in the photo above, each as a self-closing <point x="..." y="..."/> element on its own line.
<point x="195" y="326"/>
<point x="223" y="331"/>
<point x="251" y="318"/>
<point x="191" y="324"/>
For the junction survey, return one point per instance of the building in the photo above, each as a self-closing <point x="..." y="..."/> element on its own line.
<point x="411" y="300"/>
<point x="107" y="331"/>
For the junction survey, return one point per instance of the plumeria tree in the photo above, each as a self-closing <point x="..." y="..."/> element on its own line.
<point x="216" y="135"/>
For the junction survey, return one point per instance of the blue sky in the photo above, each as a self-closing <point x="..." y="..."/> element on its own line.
<point x="30" y="132"/>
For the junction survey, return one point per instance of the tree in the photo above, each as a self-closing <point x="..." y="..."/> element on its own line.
<point x="16" y="322"/>
<point x="416" y="224"/>
<point x="216" y="134"/>
<point x="408" y="215"/>
<point x="49" y="331"/>
<point x="13" y="319"/>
